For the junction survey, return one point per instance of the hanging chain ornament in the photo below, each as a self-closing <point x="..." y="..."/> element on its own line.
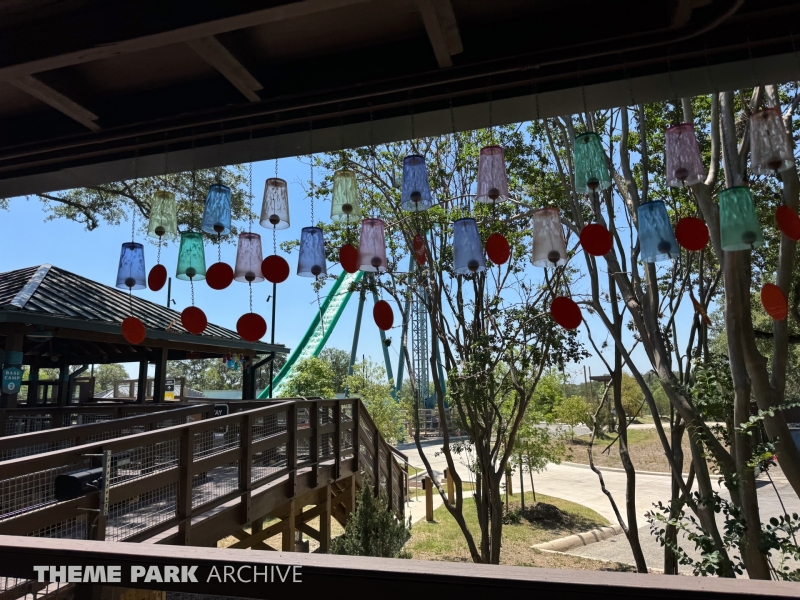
<point x="191" y="264"/>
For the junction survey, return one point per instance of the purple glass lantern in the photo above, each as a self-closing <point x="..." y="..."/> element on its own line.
<point x="416" y="193"/>
<point x="248" y="259"/>
<point x="770" y="150"/>
<point x="311" y="262"/>
<point x="549" y="249"/>
<point x="131" y="274"/>
<point x="492" y="176"/>
<point x="467" y="248"/>
<point x="684" y="164"/>
<point x="372" y="246"/>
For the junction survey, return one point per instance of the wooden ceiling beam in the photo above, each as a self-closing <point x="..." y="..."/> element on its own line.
<point x="218" y="56"/>
<point x="440" y="23"/>
<point x="37" y="89"/>
<point x="90" y="52"/>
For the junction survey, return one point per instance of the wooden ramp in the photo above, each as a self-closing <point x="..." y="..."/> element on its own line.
<point x="198" y="482"/>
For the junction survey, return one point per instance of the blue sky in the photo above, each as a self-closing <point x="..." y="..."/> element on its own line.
<point x="29" y="239"/>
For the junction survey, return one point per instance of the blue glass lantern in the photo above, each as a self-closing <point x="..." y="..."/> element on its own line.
<point x="467" y="248"/>
<point x="738" y="223"/>
<point x="312" y="253"/>
<point x="217" y="215"/>
<point x="416" y="195"/>
<point x="656" y="238"/>
<point x="131" y="273"/>
<point x="591" y="166"/>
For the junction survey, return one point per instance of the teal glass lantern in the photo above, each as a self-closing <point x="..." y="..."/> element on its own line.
<point x="657" y="241"/>
<point x="217" y="214"/>
<point x="163" y="216"/>
<point x="738" y="223"/>
<point x="191" y="257"/>
<point x="591" y="166"/>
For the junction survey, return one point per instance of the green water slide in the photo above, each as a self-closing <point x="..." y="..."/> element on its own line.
<point x="320" y="329"/>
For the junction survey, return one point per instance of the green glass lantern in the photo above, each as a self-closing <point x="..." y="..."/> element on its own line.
<point x="591" y="166"/>
<point x="163" y="216"/>
<point x="191" y="257"/>
<point x="345" y="203"/>
<point x="738" y="223"/>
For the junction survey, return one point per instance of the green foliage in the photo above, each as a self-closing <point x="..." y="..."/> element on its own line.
<point x="536" y="445"/>
<point x="372" y="530"/>
<point x="572" y="411"/>
<point x="369" y="383"/>
<point x="632" y="395"/>
<point x="549" y="392"/>
<point x="105" y="375"/>
<point x="206" y="374"/>
<point x="339" y="362"/>
<point x="311" y="377"/>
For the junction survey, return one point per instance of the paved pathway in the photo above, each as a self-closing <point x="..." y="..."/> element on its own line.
<point x="578" y="483"/>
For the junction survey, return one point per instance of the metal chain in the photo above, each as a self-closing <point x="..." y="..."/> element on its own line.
<point x="250" y="196"/>
<point x="274" y="241"/>
<point x="158" y="259"/>
<point x="135" y="176"/>
<point x="311" y="167"/>
<point x="130" y="300"/>
<point x="191" y="284"/>
<point x="219" y="247"/>
<point x="250" y="285"/>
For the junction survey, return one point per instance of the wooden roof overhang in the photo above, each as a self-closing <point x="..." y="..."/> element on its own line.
<point x="86" y="86"/>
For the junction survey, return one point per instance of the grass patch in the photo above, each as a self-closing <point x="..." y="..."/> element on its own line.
<point x="443" y="540"/>
<point x="645" y="448"/>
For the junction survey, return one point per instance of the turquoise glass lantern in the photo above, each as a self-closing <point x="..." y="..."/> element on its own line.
<point x="416" y="194"/>
<point x="217" y="214"/>
<point x="131" y="272"/>
<point x="591" y="166"/>
<point x="738" y="223"/>
<point x="191" y="257"/>
<point x="657" y="241"/>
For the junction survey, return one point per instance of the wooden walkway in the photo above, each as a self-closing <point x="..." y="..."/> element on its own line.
<point x="201" y="481"/>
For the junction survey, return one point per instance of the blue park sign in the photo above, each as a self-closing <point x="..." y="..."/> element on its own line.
<point x="12" y="380"/>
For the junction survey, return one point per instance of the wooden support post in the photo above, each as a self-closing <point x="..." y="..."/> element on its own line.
<point x="313" y="418"/>
<point x="141" y="386"/>
<point x="185" y="488"/>
<point x="325" y="523"/>
<point x="160" y="376"/>
<point x="287" y="544"/>
<point x="350" y="503"/>
<point x="12" y="358"/>
<point x="427" y="484"/>
<point x="450" y="486"/>
<point x="509" y="487"/>
<point x="63" y="383"/>
<point x="390" y="481"/>
<point x="246" y="468"/>
<point x="291" y="449"/>
<point x="376" y="461"/>
<point x="356" y="437"/>
<point x="337" y="436"/>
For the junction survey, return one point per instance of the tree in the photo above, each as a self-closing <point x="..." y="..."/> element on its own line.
<point x="339" y="362"/>
<point x="206" y="374"/>
<point x="572" y="411"/>
<point x="311" y="377"/>
<point x="632" y="395"/>
<point x="105" y="375"/>
<point x="368" y="382"/>
<point x="536" y="447"/>
<point x="549" y="392"/>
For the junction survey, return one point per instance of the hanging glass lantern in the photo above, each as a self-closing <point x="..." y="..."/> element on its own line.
<point x="738" y="223"/>
<point x="549" y="248"/>
<point x="248" y="259"/>
<point x="345" y="203"/>
<point x="591" y="166"/>
<point x="770" y="150"/>
<point x="163" y="216"/>
<point x="684" y="163"/>
<point x="656" y="239"/>
<point x="416" y="195"/>
<point x="217" y="214"/>
<point x="131" y="274"/>
<point x="191" y="257"/>
<point x="275" y="206"/>
<point x="467" y="248"/>
<point x="372" y="246"/>
<point x="311" y="262"/>
<point x="492" y="176"/>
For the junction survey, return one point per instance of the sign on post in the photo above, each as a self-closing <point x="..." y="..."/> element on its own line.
<point x="12" y="380"/>
<point x="169" y="390"/>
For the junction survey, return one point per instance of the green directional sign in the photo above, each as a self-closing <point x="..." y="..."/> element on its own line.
<point x="12" y="380"/>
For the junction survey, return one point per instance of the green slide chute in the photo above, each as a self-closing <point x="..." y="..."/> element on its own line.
<point x="320" y="330"/>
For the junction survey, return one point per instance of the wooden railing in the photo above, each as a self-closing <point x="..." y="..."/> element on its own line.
<point x="196" y="483"/>
<point x="48" y="440"/>
<point x="42" y="392"/>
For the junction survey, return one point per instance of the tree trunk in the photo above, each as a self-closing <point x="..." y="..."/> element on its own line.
<point x="496" y="517"/>
<point x="671" y="533"/>
<point x="533" y="489"/>
<point x="521" y="486"/>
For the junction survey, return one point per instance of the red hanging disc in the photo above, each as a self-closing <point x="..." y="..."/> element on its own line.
<point x="157" y="277"/>
<point x="692" y="233"/>
<point x="348" y="258"/>
<point x="219" y="276"/>
<point x="774" y="302"/>
<point x="788" y="222"/>
<point x="194" y="320"/>
<point x="383" y="315"/>
<point x="133" y="330"/>
<point x="596" y="239"/>
<point x="497" y="249"/>
<point x="251" y="327"/>
<point x="566" y="313"/>
<point x="419" y="250"/>
<point x="275" y="269"/>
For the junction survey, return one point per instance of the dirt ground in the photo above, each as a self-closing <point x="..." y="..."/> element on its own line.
<point x="646" y="451"/>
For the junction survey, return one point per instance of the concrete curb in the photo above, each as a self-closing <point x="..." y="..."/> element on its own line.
<point x="580" y="539"/>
